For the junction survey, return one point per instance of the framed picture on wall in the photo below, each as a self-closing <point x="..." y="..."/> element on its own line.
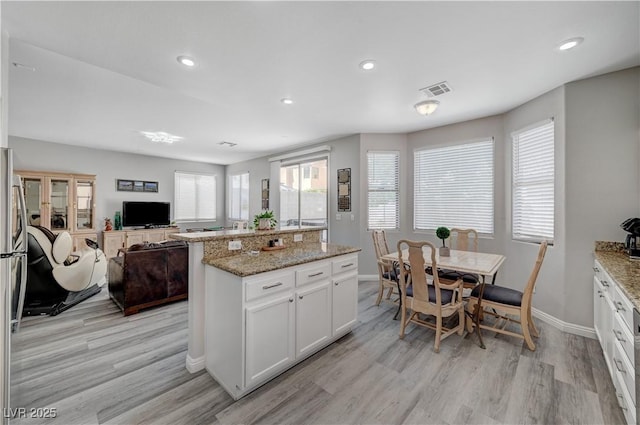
<point x="150" y="186"/>
<point x="138" y="186"/>
<point x="344" y="189"/>
<point x="124" y="185"/>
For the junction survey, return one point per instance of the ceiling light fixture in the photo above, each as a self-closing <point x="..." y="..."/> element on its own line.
<point x="426" y="107"/>
<point x="286" y="101"/>
<point x="229" y="144"/>
<point x="368" y="64"/>
<point x="570" y="44"/>
<point x="161" y="137"/>
<point x="187" y="61"/>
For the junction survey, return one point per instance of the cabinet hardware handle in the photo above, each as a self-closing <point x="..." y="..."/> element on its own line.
<point x="620" y="306"/>
<point x="618" y="335"/>
<point x="604" y="283"/>
<point x="337" y="283"/>
<point x="272" y="286"/>
<point x="618" y="364"/>
<point x="290" y="300"/>
<point x="346" y="265"/>
<point x="315" y="274"/>
<point x="300" y="296"/>
<point x="622" y="401"/>
<point x="595" y="269"/>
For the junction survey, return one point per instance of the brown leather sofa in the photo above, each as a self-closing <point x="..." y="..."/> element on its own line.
<point x="149" y="274"/>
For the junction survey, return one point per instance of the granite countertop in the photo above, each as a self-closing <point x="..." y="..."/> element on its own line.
<point x="624" y="271"/>
<point x="236" y="234"/>
<point x="247" y="265"/>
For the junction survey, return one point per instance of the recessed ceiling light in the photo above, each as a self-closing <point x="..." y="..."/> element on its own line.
<point x="286" y="101"/>
<point x="186" y="61"/>
<point x="229" y="144"/>
<point x="368" y="64"/>
<point x="570" y="44"/>
<point x="161" y="137"/>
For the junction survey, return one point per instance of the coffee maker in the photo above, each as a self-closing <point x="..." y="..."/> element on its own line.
<point x="632" y="226"/>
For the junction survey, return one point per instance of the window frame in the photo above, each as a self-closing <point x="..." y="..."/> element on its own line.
<point x="175" y="198"/>
<point x="488" y="139"/>
<point x="396" y="190"/>
<point x="535" y="239"/>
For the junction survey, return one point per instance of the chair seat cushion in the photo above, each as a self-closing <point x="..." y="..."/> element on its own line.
<point x="499" y="294"/>
<point x="392" y="275"/>
<point x="454" y="275"/>
<point x="446" y="294"/>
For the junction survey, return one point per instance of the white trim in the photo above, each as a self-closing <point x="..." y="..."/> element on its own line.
<point x="322" y="148"/>
<point x="531" y="126"/>
<point x="367" y="277"/>
<point x="195" y="365"/>
<point x="564" y="326"/>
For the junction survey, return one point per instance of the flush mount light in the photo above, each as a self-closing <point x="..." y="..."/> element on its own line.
<point x="570" y="44"/>
<point x="161" y="137"/>
<point x="426" y="107"/>
<point x="187" y="61"/>
<point x="368" y="64"/>
<point x="286" y="101"/>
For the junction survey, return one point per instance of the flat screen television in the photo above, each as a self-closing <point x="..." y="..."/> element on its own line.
<point x="145" y="214"/>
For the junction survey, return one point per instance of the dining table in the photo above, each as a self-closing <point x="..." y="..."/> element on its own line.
<point x="483" y="264"/>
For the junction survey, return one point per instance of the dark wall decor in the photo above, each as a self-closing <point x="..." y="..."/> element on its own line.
<point x="344" y="189"/>
<point x="265" y="194"/>
<point x="123" y="185"/>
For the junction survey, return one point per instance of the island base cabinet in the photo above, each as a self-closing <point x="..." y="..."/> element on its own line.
<point x="269" y="342"/>
<point x="313" y="318"/>
<point x="345" y="303"/>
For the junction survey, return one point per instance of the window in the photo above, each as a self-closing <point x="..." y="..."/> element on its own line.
<point x="383" y="211"/>
<point x="239" y="197"/>
<point x="195" y="197"/>
<point x="533" y="183"/>
<point x="453" y="187"/>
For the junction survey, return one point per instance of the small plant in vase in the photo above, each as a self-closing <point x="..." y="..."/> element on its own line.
<point x="265" y="220"/>
<point x="443" y="233"/>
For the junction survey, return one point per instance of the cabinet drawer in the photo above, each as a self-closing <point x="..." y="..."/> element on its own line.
<point x="265" y="286"/>
<point x="313" y="274"/>
<point x="345" y="264"/>
<point x="625" y="371"/>
<point x="624" y="337"/>
<point x="624" y="307"/>
<point x="597" y="269"/>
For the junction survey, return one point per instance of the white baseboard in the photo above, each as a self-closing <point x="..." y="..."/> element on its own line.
<point x="564" y="326"/>
<point x="367" y="277"/>
<point x="195" y="365"/>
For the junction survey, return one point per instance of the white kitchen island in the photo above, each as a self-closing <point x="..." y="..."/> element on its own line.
<point x="259" y="323"/>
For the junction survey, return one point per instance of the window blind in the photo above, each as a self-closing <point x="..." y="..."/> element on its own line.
<point x="383" y="190"/>
<point x="239" y="197"/>
<point x="453" y="187"/>
<point x="533" y="183"/>
<point x="195" y="197"/>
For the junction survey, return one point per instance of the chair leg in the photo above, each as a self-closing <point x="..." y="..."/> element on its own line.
<point x="524" y="323"/>
<point x="461" y="316"/>
<point x="534" y="330"/>
<point x="380" y="294"/>
<point x="403" y="321"/>
<point x="438" y="332"/>
<point x="389" y="293"/>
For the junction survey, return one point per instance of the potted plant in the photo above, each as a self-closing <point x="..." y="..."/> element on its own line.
<point x="443" y="233"/>
<point x="265" y="220"/>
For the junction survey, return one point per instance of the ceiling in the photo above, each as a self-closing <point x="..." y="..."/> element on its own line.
<point x="105" y="71"/>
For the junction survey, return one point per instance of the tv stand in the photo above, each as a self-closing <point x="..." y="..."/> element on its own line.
<point x="113" y="240"/>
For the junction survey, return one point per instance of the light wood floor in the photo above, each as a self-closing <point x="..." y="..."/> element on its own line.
<point x="97" y="367"/>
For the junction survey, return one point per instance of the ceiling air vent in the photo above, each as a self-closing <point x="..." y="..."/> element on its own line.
<point x="437" y="89"/>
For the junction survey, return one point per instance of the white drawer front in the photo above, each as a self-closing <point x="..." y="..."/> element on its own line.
<point x="625" y="371"/>
<point x="597" y="269"/>
<point x="345" y="264"/>
<point x="273" y="284"/>
<point x="624" y="307"/>
<point x="624" y="337"/>
<point x="313" y="274"/>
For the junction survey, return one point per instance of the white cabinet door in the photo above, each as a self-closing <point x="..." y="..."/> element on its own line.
<point x="313" y="317"/>
<point x="269" y="338"/>
<point x="598" y="302"/>
<point x="345" y="303"/>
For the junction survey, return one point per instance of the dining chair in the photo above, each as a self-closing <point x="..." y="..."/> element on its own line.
<point x="504" y="301"/>
<point x="462" y="240"/>
<point x="387" y="273"/>
<point x="440" y="299"/>
<point x="240" y="225"/>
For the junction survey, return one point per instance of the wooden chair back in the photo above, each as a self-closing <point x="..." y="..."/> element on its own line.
<point x="380" y="243"/>
<point x="533" y="277"/>
<point x="464" y="239"/>
<point x="415" y="274"/>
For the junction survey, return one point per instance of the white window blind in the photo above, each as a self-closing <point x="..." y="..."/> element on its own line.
<point x="239" y="197"/>
<point x="453" y="187"/>
<point x="195" y="197"/>
<point x="383" y="190"/>
<point x="533" y="183"/>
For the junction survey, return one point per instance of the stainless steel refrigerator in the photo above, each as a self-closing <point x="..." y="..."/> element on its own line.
<point x="13" y="264"/>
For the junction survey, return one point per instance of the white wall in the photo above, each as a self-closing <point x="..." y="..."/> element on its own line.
<point x="602" y="190"/>
<point x="109" y="166"/>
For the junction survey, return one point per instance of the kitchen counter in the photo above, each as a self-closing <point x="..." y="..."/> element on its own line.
<point x="239" y="234"/>
<point x="624" y="271"/>
<point x="247" y="265"/>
